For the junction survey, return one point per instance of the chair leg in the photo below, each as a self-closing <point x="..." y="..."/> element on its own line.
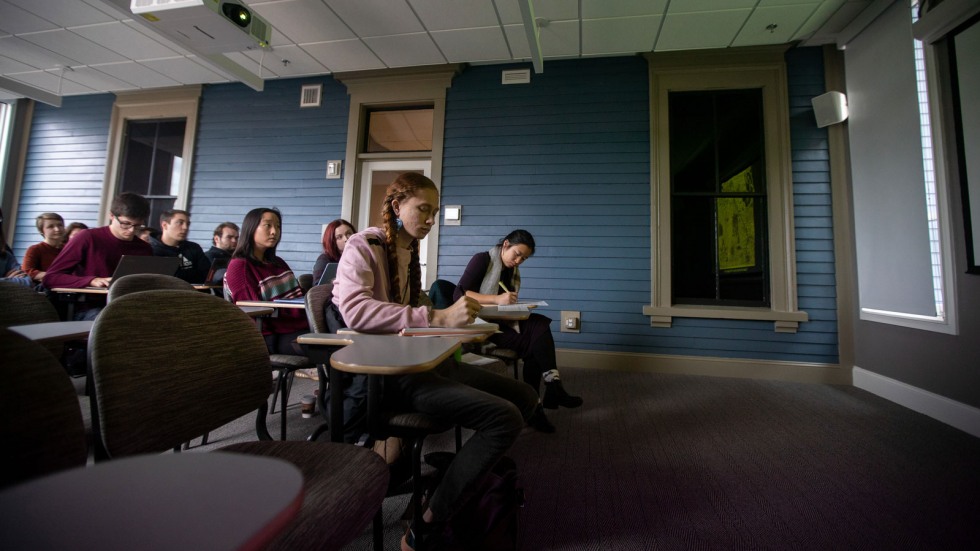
<point x="284" y="395"/>
<point x="261" y="430"/>
<point x="417" y="486"/>
<point x="379" y="531"/>
<point x="275" y="395"/>
<point x="204" y="439"/>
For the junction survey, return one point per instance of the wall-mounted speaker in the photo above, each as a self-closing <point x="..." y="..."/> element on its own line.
<point x="829" y="108"/>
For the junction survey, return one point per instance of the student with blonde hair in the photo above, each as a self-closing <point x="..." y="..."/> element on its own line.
<point x="39" y="256"/>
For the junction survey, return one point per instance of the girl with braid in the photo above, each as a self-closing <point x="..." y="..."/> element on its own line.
<point x="379" y="290"/>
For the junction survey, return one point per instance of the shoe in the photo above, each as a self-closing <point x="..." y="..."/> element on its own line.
<point x="308" y="374"/>
<point x="555" y="395"/>
<point x="428" y="536"/>
<point x="539" y="421"/>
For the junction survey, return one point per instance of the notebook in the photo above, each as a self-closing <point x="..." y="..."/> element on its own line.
<point x="136" y="264"/>
<point x="329" y="273"/>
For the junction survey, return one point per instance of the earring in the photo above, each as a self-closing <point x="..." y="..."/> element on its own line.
<point x="398" y="223"/>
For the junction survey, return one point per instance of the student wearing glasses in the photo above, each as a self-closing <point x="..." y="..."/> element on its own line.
<point x="90" y="258"/>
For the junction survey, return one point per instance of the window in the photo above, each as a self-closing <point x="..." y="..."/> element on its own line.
<point x="408" y="129"/>
<point x="151" y="146"/>
<point x="722" y="227"/>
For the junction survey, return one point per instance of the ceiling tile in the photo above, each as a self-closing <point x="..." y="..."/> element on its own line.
<point x="185" y="70"/>
<point x="303" y="21"/>
<point x="124" y="40"/>
<point x="787" y="20"/>
<point x="700" y="30"/>
<point x="486" y="44"/>
<point x="9" y="65"/>
<point x="73" y="46"/>
<point x="344" y="55"/>
<point x="598" y="9"/>
<point x="65" y="13"/>
<point x="136" y="74"/>
<point x="440" y="15"/>
<point x="619" y="35"/>
<point x="691" y="6"/>
<point x="406" y="50"/>
<point x="517" y="38"/>
<point x="509" y="11"/>
<point x="96" y="80"/>
<point x="556" y="10"/>
<point x="52" y="82"/>
<point x="376" y="17"/>
<point x="297" y="62"/>
<point x="15" y="20"/>
<point x="559" y="39"/>
<point x="30" y="54"/>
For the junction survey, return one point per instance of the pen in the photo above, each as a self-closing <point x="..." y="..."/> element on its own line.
<point x="502" y="286"/>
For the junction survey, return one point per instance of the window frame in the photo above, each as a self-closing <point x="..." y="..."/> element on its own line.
<point x="762" y="68"/>
<point x="169" y="103"/>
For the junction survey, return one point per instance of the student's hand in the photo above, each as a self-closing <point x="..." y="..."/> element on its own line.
<point x="507" y="298"/>
<point x="100" y="282"/>
<point x="39" y="276"/>
<point x="16" y="272"/>
<point x="461" y="313"/>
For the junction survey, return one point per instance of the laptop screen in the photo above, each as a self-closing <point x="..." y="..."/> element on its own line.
<point x="136" y="264"/>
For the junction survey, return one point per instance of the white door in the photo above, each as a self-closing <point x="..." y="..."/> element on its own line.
<point x="376" y="176"/>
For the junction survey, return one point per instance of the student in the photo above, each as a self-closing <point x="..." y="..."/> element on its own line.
<point x="485" y="279"/>
<point x="39" y="256"/>
<point x="256" y="273"/>
<point x="334" y="239"/>
<point x="175" y="224"/>
<point x="90" y="258"/>
<point x="73" y="229"/>
<point x="10" y="269"/>
<point x="378" y="290"/>
<point x="223" y="242"/>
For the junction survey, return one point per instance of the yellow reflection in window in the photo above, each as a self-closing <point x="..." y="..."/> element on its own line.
<point x="736" y="224"/>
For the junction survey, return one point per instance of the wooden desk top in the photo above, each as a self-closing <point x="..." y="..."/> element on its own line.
<point x="53" y="331"/>
<point x="220" y="501"/>
<point x="83" y="290"/>
<point x="256" y="311"/>
<point x="272" y="304"/>
<point x="383" y="354"/>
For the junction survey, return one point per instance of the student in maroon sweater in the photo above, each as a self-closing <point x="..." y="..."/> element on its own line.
<point x="256" y="273"/>
<point x="90" y="258"/>
<point x="39" y="256"/>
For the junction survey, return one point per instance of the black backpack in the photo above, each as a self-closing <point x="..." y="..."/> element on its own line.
<point x="489" y="521"/>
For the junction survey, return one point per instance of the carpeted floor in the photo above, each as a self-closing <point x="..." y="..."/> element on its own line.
<point x="655" y="461"/>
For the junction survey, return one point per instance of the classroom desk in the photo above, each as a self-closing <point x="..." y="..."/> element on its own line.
<point x="257" y="311"/>
<point x="78" y="294"/>
<point x="215" y="501"/>
<point x="375" y="356"/>
<point x="490" y="312"/>
<point x="55" y="331"/>
<point x="273" y="304"/>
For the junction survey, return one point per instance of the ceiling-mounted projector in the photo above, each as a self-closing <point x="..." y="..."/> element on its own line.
<point x="206" y="26"/>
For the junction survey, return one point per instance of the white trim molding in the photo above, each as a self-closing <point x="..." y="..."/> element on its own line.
<point x="955" y="414"/>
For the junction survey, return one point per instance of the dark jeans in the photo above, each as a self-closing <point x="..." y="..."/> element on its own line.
<point x="284" y="343"/>
<point x="493" y="406"/>
<point x="534" y="344"/>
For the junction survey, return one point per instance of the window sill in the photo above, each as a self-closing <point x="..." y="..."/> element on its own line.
<point x="784" y="322"/>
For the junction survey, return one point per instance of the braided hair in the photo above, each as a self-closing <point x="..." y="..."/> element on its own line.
<point x="405" y="185"/>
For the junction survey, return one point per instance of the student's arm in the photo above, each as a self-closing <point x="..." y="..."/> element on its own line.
<point x="61" y="272"/>
<point x="32" y="263"/>
<point x="472" y="278"/>
<point x="240" y="282"/>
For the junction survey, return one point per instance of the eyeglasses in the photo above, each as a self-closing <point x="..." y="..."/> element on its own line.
<point x="128" y="225"/>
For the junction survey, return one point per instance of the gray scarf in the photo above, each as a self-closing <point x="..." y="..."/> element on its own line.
<point x="489" y="285"/>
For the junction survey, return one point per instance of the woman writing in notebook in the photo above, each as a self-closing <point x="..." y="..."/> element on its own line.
<point x="334" y="240"/>
<point x="256" y="273"/>
<point x="378" y="289"/>
<point x="493" y="277"/>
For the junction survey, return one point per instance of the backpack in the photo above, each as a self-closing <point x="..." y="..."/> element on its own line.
<point x="489" y="521"/>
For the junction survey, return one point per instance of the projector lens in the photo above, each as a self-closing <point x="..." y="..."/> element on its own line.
<point x="239" y="15"/>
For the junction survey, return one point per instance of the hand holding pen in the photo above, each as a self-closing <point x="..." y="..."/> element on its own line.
<point x="508" y="297"/>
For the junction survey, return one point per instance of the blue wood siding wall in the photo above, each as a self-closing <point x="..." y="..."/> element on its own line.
<point x="65" y="165"/>
<point x="262" y="150"/>
<point x="567" y="158"/>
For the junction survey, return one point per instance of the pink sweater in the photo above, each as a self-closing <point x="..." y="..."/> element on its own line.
<point x="361" y="288"/>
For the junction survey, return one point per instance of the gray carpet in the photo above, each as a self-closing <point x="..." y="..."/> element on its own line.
<point x="657" y="461"/>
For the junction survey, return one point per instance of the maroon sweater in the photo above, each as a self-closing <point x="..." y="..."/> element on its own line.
<point x="91" y="254"/>
<point x="250" y="280"/>
<point x="38" y="258"/>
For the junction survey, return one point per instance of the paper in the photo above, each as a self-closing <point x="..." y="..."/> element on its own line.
<point x="477" y="360"/>
<point x="520" y="306"/>
<point x="471" y="329"/>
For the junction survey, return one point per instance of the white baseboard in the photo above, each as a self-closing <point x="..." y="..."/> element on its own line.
<point x="800" y="372"/>
<point x="956" y="414"/>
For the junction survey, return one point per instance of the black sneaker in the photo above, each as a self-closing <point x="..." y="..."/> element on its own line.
<point x="555" y="395"/>
<point x="427" y="537"/>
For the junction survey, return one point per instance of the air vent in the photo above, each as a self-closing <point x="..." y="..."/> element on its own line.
<point x="310" y="95"/>
<point x="516" y="76"/>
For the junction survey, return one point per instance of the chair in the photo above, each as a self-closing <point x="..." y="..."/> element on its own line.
<point x="40" y="419"/>
<point x="441" y="294"/>
<point x="134" y="283"/>
<point x="23" y="305"/>
<point x="412" y="427"/>
<point x="305" y="282"/>
<point x="145" y="410"/>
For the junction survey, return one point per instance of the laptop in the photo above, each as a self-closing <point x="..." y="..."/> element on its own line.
<point x="136" y="264"/>
<point x="329" y="273"/>
<point x="217" y="272"/>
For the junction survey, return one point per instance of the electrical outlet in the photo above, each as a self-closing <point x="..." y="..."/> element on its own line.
<point x="570" y="321"/>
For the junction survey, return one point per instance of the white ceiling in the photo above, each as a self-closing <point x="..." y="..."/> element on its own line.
<point x="71" y="47"/>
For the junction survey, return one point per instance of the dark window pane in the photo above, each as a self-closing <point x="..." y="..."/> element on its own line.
<point x="693" y="249"/>
<point x="152" y="157"/>
<point x="740" y="132"/>
<point x="692" y="142"/>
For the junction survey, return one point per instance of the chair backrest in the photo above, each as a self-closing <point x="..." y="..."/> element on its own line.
<point x="441" y="294"/>
<point x="158" y="385"/>
<point x="317" y="299"/>
<point x="23" y="305"/>
<point x="305" y="281"/>
<point x="135" y="283"/>
<point x="40" y="419"/>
